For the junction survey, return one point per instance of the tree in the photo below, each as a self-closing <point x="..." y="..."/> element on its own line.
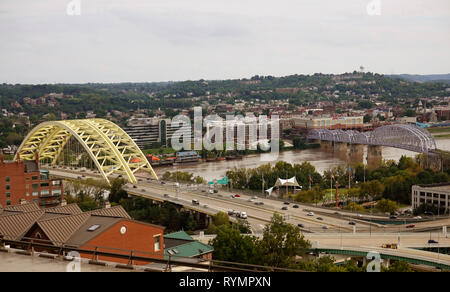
<point x="367" y="118"/>
<point x="117" y="192"/>
<point x="243" y="226"/>
<point x="281" y="243"/>
<point x="387" y="206"/>
<point x="400" y="267"/>
<point x="355" y="207"/>
<point x="231" y="245"/>
<point x="374" y="189"/>
<point x="313" y="195"/>
<point x="221" y="218"/>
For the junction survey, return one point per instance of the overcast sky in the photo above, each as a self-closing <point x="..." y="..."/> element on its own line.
<point x="163" y="40"/>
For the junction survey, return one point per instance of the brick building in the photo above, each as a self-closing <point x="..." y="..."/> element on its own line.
<point x="23" y="181"/>
<point x="109" y="230"/>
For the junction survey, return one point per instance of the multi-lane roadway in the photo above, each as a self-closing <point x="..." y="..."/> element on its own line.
<point x="323" y="221"/>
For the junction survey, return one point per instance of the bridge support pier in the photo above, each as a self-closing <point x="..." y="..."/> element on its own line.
<point x="340" y="149"/>
<point x="356" y="153"/>
<point x="326" y="146"/>
<point x="374" y="156"/>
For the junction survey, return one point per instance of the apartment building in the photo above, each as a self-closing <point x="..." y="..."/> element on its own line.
<point x="331" y="123"/>
<point x="24" y="181"/>
<point x="150" y="131"/>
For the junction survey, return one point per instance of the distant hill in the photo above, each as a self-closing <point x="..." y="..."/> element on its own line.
<point x="444" y="78"/>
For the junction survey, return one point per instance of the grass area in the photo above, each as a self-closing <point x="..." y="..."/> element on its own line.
<point x="341" y="192"/>
<point x="439" y="130"/>
<point x="445" y="136"/>
<point x="159" y="151"/>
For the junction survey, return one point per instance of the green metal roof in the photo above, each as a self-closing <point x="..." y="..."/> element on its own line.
<point x="179" y="235"/>
<point x="190" y="249"/>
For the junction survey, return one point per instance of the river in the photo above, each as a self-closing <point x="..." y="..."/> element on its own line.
<point x="320" y="159"/>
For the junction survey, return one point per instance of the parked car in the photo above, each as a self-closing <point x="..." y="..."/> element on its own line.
<point x="352" y="223"/>
<point x="431" y="241"/>
<point x="325" y="227"/>
<point x="237" y="196"/>
<point x="320" y="218"/>
<point x="393" y="217"/>
<point x="310" y="214"/>
<point x="230" y="212"/>
<point x="295" y="206"/>
<point x="284" y="208"/>
<point x="301" y="225"/>
<point x="286" y="203"/>
<point x="195" y="202"/>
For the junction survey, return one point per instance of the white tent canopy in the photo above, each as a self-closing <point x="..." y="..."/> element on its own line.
<point x="269" y="191"/>
<point x="292" y="182"/>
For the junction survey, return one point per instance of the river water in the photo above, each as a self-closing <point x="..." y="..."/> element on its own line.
<point x="321" y="160"/>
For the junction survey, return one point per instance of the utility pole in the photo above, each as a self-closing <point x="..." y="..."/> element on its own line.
<point x="262" y="190"/>
<point x="337" y="196"/>
<point x="364" y="173"/>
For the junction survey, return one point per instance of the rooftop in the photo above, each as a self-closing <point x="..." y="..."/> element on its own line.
<point x="181" y="244"/>
<point x="444" y="187"/>
<point x="12" y="262"/>
<point x="179" y="235"/>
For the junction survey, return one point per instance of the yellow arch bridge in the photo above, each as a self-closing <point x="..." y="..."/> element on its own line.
<point x="109" y="147"/>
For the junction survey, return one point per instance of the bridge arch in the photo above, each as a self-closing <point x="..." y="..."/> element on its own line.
<point x="109" y="146"/>
<point x="408" y="137"/>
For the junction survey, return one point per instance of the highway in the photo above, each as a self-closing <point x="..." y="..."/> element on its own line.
<point x="335" y="221"/>
<point x="222" y="201"/>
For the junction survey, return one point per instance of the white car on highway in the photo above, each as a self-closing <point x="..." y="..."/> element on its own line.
<point x="310" y="214"/>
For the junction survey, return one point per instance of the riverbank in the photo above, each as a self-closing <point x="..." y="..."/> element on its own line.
<point x="321" y="160"/>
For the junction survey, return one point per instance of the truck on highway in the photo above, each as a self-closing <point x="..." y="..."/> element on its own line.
<point x="242" y="215"/>
<point x="238" y="214"/>
<point x="390" y="245"/>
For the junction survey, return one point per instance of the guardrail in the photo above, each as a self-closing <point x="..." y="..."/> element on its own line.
<point x="385" y="254"/>
<point x="60" y="249"/>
